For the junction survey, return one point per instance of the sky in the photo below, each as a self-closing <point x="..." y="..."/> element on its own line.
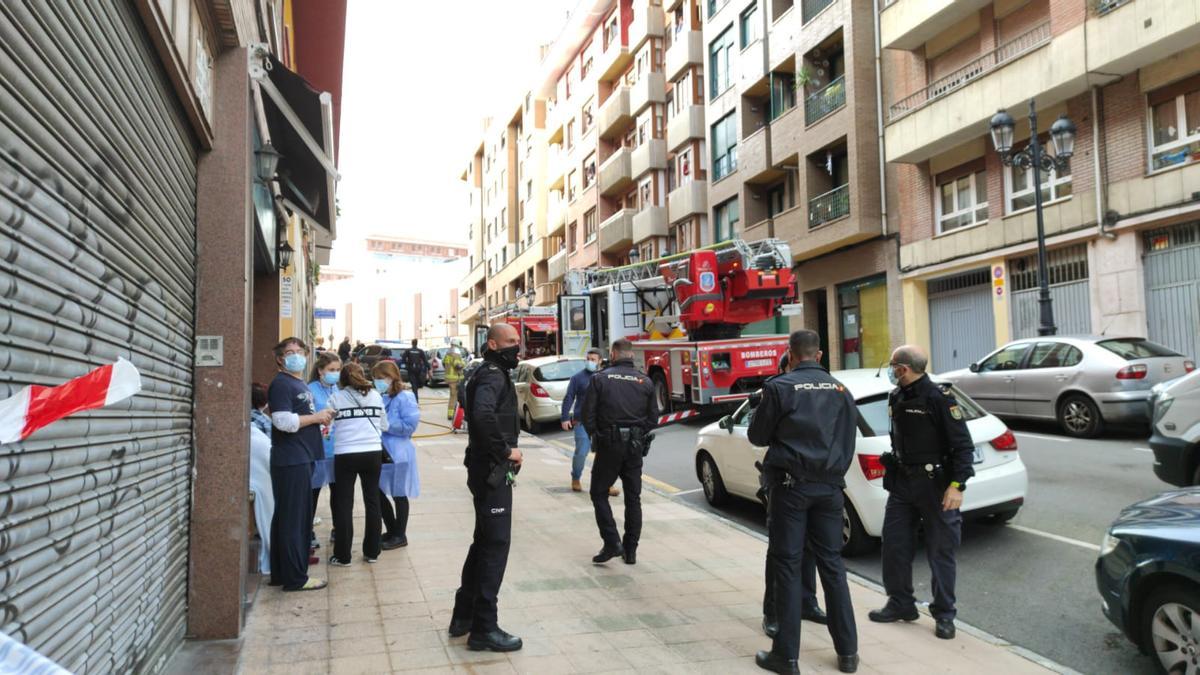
<point x="418" y="78"/>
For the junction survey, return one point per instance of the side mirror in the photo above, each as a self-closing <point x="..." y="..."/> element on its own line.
<point x="974" y="367"/>
<point x="726" y="423"/>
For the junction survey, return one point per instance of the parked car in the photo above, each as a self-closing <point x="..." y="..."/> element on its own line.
<point x="373" y="353"/>
<point x="725" y="462"/>
<point x="437" y="371"/>
<point x="1081" y="382"/>
<point x="1148" y="575"/>
<point x="1175" y="427"/>
<point x="541" y="385"/>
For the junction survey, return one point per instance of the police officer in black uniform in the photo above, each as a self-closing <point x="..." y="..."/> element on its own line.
<point x="416" y="365"/>
<point x="619" y="412"/>
<point x="491" y="457"/>
<point x="927" y="471"/>
<point x="808" y="421"/>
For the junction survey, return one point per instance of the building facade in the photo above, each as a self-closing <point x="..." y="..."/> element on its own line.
<point x="1121" y="221"/>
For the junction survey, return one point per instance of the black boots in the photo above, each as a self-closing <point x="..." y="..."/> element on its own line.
<point x="495" y="641"/>
<point x="608" y="553"/>
<point x="777" y="664"/>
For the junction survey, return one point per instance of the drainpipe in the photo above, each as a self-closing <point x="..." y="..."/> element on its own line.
<point x="1098" y="168"/>
<point x="883" y="218"/>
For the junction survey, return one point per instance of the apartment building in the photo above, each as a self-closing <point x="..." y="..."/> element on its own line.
<point x="793" y="131"/>
<point x="1122" y="221"/>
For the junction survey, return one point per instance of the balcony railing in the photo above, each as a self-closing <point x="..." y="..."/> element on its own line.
<point x="825" y="100"/>
<point x="980" y="66"/>
<point x="812" y="8"/>
<point x="829" y="206"/>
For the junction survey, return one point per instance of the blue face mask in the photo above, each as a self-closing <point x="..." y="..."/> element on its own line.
<point x="592" y="366"/>
<point x="295" y="363"/>
<point x="892" y="377"/>
<point x="331" y="378"/>
<point x="382" y="386"/>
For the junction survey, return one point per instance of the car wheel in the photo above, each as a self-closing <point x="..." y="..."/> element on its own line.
<point x="661" y="393"/>
<point x="1079" y="416"/>
<point x="528" y="422"/>
<point x="1002" y="517"/>
<point x="855" y="540"/>
<point x="710" y="480"/>
<point x="1168" y="619"/>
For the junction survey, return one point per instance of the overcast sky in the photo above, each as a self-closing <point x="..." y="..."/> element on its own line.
<point x="419" y="78"/>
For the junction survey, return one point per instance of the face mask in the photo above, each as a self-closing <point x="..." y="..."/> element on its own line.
<point x="382" y="386"/>
<point x="331" y="378"/>
<point x="294" y="363"/>
<point x="592" y="366"/>
<point x="892" y="377"/>
<point x="508" y="356"/>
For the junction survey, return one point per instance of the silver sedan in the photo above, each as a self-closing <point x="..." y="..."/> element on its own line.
<point x="1081" y="382"/>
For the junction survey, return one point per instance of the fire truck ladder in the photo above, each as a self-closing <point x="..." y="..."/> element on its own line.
<point x="762" y="254"/>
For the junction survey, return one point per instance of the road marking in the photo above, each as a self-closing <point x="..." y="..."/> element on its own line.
<point x="1056" y="439"/>
<point x="1056" y="537"/>
<point x="689" y="492"/>
<point x="1142" y="449"/>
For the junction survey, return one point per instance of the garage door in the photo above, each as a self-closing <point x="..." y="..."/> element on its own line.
<point x="961" y="323"/>
<point x="97" y="261"/>
<point x="1069" y="292"/>
<point x="1172" y="265"/>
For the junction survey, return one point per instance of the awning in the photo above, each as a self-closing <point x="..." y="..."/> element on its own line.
<point x="539" y="324"/>
<point x="299" y="124"/>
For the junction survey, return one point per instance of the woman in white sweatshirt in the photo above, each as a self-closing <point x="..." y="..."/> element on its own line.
<point x="357" y="455"/>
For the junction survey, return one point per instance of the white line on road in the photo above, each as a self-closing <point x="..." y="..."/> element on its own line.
<point x="1056" y="537"/>
<point x="689" y="492"/>
<point x="1142" y="449"/>
<point x="1040" y="437"/>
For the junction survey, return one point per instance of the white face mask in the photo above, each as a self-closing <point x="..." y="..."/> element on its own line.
<point x="592" y="366"/>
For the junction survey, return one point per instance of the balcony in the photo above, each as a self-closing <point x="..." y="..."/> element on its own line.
<point x="473" y="277"/>
<point x="615" y="173"/>
<point x="652" y="88"/>
<point x="689" y="199"/>
<point x="811" y="8"/>
<point x="556" y="216"/>
<point x="784" y="36"/>
<point x="648" y="156"/>
<point x="612" y="61"/>
<point x="557" y="265"/>
<point x="614" y="114"/>
<point x="752" y="70"/>
<point x="616" y="233"/>
<point x="556" y="167"/>
<point x="649" y="222"/>
<point x="685" y="126"/>
<point x="648" y="21"/>
<point x="686" y="50"/>
<point x="829" y="207"/>
<point x="825" y="100"/>
<point x="908" y="24"/>
<point x="752" y="155"/>
<point x="554" y="122"/>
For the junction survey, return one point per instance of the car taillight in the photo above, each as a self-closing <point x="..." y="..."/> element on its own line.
<point x="1134" y="372"/>
<point x="538" y="391"/>
<point x="1189" y="366"/>
<point x="872" y="468"/>
<point x="1005" y="441"/>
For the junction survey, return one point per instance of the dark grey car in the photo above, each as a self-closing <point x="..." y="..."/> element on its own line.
<point x="1081" y="382"/>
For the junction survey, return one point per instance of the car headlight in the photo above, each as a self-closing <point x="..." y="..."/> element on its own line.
<point x="1161" y="406"/>
<point x="1108" y="544"/>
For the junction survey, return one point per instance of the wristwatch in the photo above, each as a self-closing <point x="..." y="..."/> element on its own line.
<point x="962" y="487"/>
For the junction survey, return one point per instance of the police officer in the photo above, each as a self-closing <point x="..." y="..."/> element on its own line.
<point x="619" y="412"/>
<point x="491" y="451"/>
<point x="807" y="420"/>
<point x="927" y="471"/>
<point x="417" y="367"/>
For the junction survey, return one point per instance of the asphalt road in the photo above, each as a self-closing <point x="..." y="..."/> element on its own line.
<point x="1030" y="582"/>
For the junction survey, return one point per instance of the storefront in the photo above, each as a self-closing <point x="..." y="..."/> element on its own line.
<point x="863" y="317"/>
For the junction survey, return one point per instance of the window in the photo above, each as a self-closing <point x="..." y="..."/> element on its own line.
<point x="572" y="185"/>
<point x="1019" y="185"/>
<point x="1175" y="125"/>
<point x="585" y="121"/>
<point x="715" y="5"/>
<point x="589" y="226"/>
<point x="685" y="239"/>
<point x="586" y="68"/>
<point x="1136" y="348"/>
<point x="726" y="216"/>
<point x="572" y="236"/>
<point x="748" y="25"/>
<point x="611" y="31"/>
<point x="719" y="53"/>
<point x="776" y="200"/>
<point x="783" y="94"/>
<point x="1009" y="358"/>
<point x="570" y="134"/>
<point x="1055" y="355"/>
<point x="645" y="194"/>
<point x="646" y="250"/>
<point x="589" y="170"/>
<point x="724" y="139"/>
<point x="962" y="202"/>
<point x="683" y="166"/>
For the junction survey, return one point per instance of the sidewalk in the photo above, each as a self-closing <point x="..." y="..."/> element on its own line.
<point x="691" y="604"/>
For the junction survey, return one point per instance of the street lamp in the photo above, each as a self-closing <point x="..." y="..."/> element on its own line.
<point x="285" y="254"/>
<point x="266" y="162"/>
<point x="1034" y="156"/>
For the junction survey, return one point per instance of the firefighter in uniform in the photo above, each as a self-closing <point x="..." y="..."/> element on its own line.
<point x="619" y="412"/>
<point x="491" y="459"/>
<point x="926" y="473"/>
<point x="808" y="422"/>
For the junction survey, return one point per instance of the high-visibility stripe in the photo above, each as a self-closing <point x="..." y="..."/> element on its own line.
<point x="36" y="406"/>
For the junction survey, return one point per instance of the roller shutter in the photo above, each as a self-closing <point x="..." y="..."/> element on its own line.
<point x="97" y="260"/>
<point x="962" y="326"/>
<point x="1070" y="294"/>
<point x="1172" y="268"/>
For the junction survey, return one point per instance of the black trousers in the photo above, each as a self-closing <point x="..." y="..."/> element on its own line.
<point x="351" y="467"/>
<point x="291" y="525"/>
<point x="914" y="499"/>
<point x="808" y="585"/>
<point x="809" y="513"/>
<point x="483" y="570"/>
<point x="316" y="498"/>
<point x="617" y="460"/>
<point x="395" y="522"/>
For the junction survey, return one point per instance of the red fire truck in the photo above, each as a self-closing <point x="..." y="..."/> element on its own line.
<point x="537" y="327"/>
<point x="685" y="315"/>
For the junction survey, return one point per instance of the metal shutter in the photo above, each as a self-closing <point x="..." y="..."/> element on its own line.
<point x="1172" y="268"/>
<point x="962" y="326"/>
<point x="1070" y="294"/>
<point x="97" y="260"/>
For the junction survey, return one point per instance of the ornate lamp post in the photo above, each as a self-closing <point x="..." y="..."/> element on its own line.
<point x="1034" y="156"/>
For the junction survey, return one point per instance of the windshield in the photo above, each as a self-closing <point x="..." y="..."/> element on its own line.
<point x="1135" y="348"/>
<point x="559" y="370"/>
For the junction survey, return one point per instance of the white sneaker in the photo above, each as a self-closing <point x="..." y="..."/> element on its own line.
<point x="338" y="563"/>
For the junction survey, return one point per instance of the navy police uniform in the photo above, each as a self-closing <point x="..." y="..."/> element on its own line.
<point x="493" y="429"/>
<point x="619" y="412"/>
<point x="931" y="447"/>
<point x="807" y="420"/>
